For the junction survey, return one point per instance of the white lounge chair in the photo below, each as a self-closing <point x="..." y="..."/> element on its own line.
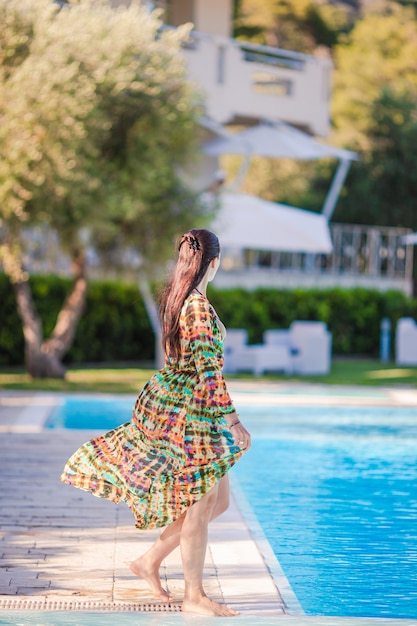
<point x="256" y="358"/>
<point x="311" y="346"/>
<point x="406" y="341"/>
<point x="305" y="348"/>
<point x="308" y="345"/>
<point x="236" y="341"/>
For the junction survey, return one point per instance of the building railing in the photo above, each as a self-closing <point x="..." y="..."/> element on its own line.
<point x="277" y="57"/>
<point x="367" y="256"/>
<point x="357" y="250"/>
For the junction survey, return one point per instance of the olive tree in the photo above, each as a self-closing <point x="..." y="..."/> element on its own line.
<point x="96" y="117"/>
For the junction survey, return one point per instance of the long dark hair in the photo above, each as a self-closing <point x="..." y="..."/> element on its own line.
<point x="196" y="248"/>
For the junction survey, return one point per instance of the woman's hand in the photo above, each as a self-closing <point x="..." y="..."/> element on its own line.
<point x="240" y="435"/>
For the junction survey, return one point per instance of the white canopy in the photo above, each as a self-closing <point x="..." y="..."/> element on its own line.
<point x="245" y="221"/>
<point x="275" y="140"/>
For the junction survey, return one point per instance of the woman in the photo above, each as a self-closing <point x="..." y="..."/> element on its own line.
<point x="170" y="462"/>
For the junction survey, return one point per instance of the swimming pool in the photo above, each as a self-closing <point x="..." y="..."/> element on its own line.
<point x="339" y="505"/>
<point x="334" y="490"/>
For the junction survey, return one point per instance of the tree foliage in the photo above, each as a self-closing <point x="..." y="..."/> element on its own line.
<point x="301" y="25"/>
<point x="374" y="112"/>
<point x="95" y="110"/>
<point x="96" y="115"/>
<point x="379" y="53"/>
<point x="383" y="185"/>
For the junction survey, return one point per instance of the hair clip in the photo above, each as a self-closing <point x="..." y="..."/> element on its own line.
<point x="193" y="243"/>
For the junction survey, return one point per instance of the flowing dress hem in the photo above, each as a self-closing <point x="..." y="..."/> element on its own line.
<point x="101" y="488"/>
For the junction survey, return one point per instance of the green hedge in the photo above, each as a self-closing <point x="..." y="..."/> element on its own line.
<point x="115" y="326"/>
<point x="352" y="315"/>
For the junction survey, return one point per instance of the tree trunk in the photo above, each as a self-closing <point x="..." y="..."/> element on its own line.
<point x="152" y="311"/>
<point x="43" y="357"/>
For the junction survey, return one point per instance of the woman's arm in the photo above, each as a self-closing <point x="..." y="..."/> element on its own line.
<point x="205" y="348"/>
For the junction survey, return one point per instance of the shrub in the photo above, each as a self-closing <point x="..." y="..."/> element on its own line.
<point x="115" y="326"/>
<point x="352" y="315"/>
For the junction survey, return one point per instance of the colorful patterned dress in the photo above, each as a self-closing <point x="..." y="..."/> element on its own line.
<point x="177" y="445"/>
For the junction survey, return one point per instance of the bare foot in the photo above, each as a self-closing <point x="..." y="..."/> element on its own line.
<point x="205" y="606"/>
<point x="147" y="572"/>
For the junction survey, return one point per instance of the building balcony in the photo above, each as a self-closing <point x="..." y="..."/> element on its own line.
<point x="372" y="257"/>
<point x="244" y="82"/>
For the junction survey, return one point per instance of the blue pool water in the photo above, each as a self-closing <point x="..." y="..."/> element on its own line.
<point x="81" y="412"/>
<point x="335" y="492"/>
<point x="84" y="618"/>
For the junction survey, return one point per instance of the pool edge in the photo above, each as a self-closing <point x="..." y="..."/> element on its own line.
<point x="280" y="580"/>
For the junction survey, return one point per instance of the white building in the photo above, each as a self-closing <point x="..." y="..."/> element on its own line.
<point x="245" y="84"/>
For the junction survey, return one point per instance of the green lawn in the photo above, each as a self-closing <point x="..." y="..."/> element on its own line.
<point x="113" y="379"/>
<point x="364" y="372"/>
<point x="100" y="379"/>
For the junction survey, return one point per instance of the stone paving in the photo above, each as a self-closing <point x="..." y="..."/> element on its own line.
<point x="58" y="543"/>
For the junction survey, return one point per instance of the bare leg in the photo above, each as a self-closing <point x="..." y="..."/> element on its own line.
<point x="193" y="544"/>
<point x="147" y="566"/>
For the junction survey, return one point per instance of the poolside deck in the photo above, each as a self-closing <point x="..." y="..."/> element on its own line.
<point x="62" y="548"/>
